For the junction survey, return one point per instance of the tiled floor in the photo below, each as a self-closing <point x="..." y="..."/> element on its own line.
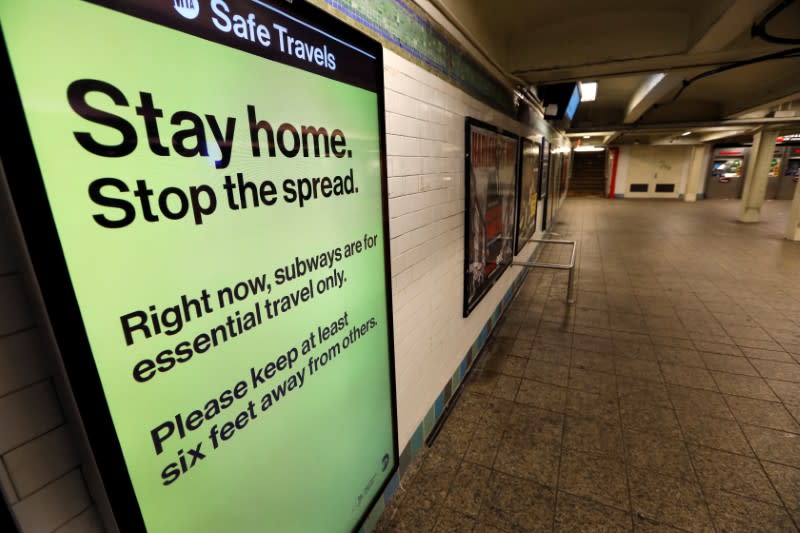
<point x="667" y="398"/>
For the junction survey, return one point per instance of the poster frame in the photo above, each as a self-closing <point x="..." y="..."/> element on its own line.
<point x="45" y="263"/>
<point x="531" y="230"/>
<point x="497" y="273"/>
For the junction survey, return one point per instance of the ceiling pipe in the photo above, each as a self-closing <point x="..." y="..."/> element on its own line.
<point x="768" y="121"/>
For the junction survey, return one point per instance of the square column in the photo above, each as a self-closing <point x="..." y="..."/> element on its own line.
<point x="697" y="171"/>
<point x="793" y="223"/>
<point x="755" y="178"/>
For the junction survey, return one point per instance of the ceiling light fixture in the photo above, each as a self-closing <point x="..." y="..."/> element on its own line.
<point x="587" y="136"/>
<point x="588" y="90"/>
<point x="589" y="148"/>
<point x="685" y="133"/>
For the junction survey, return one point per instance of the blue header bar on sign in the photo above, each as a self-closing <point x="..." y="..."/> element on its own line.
<point x="264" y="30"/>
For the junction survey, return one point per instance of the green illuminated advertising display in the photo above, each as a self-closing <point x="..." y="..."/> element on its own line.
<point x="200" y="184"/>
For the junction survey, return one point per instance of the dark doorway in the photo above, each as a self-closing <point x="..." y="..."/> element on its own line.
<point x="588" y="174"/>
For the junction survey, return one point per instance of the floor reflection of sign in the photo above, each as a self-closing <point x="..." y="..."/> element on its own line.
<point x="491" y="172"/>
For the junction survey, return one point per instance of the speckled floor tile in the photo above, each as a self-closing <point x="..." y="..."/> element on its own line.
<point x="535" y="424"/>
<point x="655" y="453"/>
<point x="591" y="381"/>
<point x="535" y="461"/>
<point x="672" y="386"/>
<point x="735" y="514"/>
<point x="593" y="436"/>
<point x="580" y="515"/>
<point x="701" y="402"/>
<point x="638" y="368"/>
<point x="778" y="370"/>
<point x="542" y="395"/>
<point x="786" y="480"/>
<point x="718" y="470"/>
<point x="687" y="376"/>
<point x="593" y="405"/>
<point x="450" y="521"/>
<point x="763" y="413"/>
<point x="714" y="433"/>
<point x="467" y="492"/>
<point x="597" y="478"/>
<point x="483" y="446"/>
<point x="670" y="501"/>
<point x="515" y="504"/>
<point x="728" y="363"/>
<point x="645" y="418"/>
<point x="748" y="386"/>
<point x="774" y="445"/>
<point x="546" y="372"/>
<point x="594" y="361"/>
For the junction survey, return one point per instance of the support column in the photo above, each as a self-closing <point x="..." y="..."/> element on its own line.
<point x="697" y="171"/>
<point x="755" y="179"/>
<point x="793" y="224"/>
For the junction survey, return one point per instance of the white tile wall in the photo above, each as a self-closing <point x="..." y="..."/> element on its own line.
<point x="425" y="155"/>
<point x="40" y="461"/>
<point x="27" y="414"/>
<point x="425" y="119"/>
<point x="54" y="505"/>
<point x="17" y="368"/>
<point x="40" y="477"/>
<point x="15" y="313"/>
<point x="86" y="522"/>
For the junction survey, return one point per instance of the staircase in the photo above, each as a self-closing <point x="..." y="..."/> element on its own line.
<point x="588" y="174"/>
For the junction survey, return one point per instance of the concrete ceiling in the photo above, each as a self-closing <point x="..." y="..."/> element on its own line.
<point x="640" y="53"/>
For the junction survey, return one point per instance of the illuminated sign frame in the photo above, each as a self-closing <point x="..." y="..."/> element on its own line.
<point x="49" y="270"/>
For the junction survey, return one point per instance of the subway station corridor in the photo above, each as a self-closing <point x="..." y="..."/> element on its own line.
<point x="667" y="398"/>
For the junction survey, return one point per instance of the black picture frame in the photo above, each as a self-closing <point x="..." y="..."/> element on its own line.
<point x="527" y="189"/>
<point x="489" y="208"/>
<point x="544" y="157"/>
<point x="554" y="193"/>
<point x="544" y="183"/>
<point x="566" y="174"/>
<point x="48" y="270"/>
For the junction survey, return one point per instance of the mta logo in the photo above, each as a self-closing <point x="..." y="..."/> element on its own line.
<point x="187" y="8"/>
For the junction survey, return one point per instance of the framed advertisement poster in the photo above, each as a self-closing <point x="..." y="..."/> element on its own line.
<point x="201" y="187"/>
<point x="527" y="193"/>
<point x="545" y="169"/>
<point x="490" y="177"/>
<point x="566" y="171"/>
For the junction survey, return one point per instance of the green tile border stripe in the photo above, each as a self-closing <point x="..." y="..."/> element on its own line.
<point x="435" y="412"/>
<point x="405" y="28"/>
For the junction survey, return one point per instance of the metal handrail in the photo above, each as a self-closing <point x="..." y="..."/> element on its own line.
<point x="570" y="266"/>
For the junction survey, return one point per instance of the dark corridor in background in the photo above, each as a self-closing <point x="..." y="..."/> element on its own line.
<point x="588" y="174"/>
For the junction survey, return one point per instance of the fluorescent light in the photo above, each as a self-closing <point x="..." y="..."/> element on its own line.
<point x="685" y="133"/>
<point x="587" y="136"/>
<point x="589" y="148"/>
<point x="588" y="90"/>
